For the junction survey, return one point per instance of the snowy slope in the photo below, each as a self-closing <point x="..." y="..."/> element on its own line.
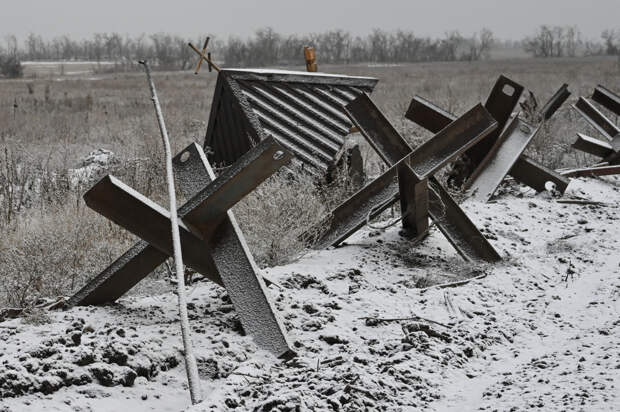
<point x="539" y="330"/>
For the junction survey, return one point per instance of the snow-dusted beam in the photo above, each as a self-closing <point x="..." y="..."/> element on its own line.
<point x="213" y="243"/>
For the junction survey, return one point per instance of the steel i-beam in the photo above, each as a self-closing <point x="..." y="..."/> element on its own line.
<point x="500" y="160"/>
<point x="501" y="103"/>
<point x="597" y="120"/>
<point x="607" y="99"/>
<point x="610" y="152"/>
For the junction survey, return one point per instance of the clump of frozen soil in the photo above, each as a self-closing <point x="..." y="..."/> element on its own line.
<point x="78" y="355"/>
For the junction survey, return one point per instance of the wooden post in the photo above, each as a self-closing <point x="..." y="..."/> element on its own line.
<point x="310" y="59"/>
<point x="190" y="360"/>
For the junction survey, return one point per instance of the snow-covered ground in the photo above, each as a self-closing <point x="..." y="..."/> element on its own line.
<point x="538" y="331"/>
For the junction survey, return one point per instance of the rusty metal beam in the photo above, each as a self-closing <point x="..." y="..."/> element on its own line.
<point x="593" y="146"/>
<point x="500" y="160"/>
<point x="230" y="252"/>
<point x="126" y="207"/>
<point x="142" y="259"/>
<point x="555" y="102"/>
<point x="451" y="141"/>
<point x="525" y="170"/>
<point x="427" y="115"/>
<point x="392" y="148"/>
<point x="536" y="176"/>
<point x="593" y="171"/>
<point x="457" y="227"/>
<point x="377" y="129"/>
<point x="501" y="102"/>
<point x="435" y="153"/>
<point x="353" y="213"/>
<point x="234" y="183"/>
<point x="596" y="119"/>
<point x="414" y="200"/>
<point x="607" y="99"/>
<point x="381" y="193"/>
<point x="122" y="275"/>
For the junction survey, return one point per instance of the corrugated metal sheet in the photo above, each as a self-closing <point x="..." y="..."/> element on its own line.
<point x="303" y="111"/>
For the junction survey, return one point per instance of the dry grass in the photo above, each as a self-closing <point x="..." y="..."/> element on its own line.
<point x="46" y="255"/>
<point x="49" y="124"/>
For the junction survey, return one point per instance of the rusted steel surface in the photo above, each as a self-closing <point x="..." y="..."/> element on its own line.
<point x="465" y="132"/>
<point x="501" y="102"/>
<point x="146" y="219"/>
<point x="247" y="290"/>
<point x="596" y="119"/>
<point x="500" y="160"/>
<point x="526" y="170"/>
<point x="457" y="227"/>
<point x="209" y="205"/>
<point x="555" y="102"/>
<point x="503" y="158"/>
<point x="593" y="146"/>
<point x="303" y="111"/>
<point x="233" y="259"/>
<point x="536" y="176"/>
<point x="593" y="171"/>
<point x="192" y="171"/>
<point x="122" y="275"/>
<point x="435" y="153"/>
<point x="607" y="99"/>
<point x="429" y="116"/>
<point x="377" y="129"/>
<point x="353" y="213"/>
<point x="383" y="192"/>
<point x="414" y="200"/>
<point x="609" y="152"/>
<point x="219" y="251"/>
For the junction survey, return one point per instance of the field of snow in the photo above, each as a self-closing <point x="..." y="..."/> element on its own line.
<point x="538" y="331"/>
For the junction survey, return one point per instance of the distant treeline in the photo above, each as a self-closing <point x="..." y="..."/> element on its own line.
<point x="267" y="48"/>
<point x="566" y="41"/>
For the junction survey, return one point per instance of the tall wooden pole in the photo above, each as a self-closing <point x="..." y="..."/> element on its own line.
<point x="190" y="360"/>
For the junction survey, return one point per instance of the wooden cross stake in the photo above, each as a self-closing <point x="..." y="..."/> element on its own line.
<point x="204" y="57"/>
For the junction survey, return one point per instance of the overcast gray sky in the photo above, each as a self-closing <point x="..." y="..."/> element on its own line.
<point x="507" y="19"/>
